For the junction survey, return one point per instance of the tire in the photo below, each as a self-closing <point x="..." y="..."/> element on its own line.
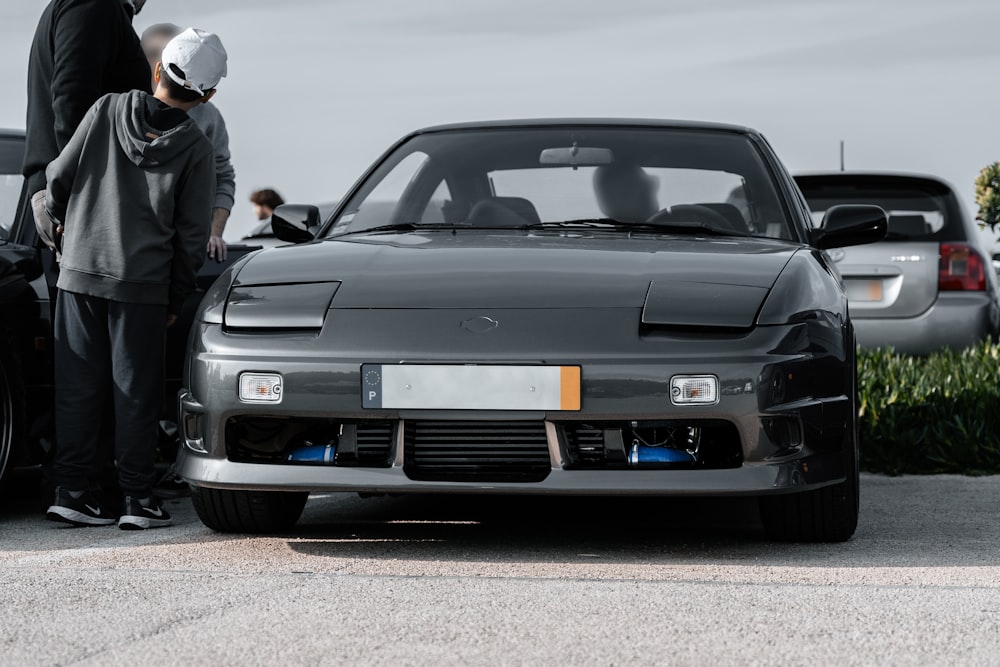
<point x="829" y="514"/>
<point x="248" y="511"/>
<point x="11" y="411"/>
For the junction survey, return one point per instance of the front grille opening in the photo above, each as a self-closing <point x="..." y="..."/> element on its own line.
<point x="451" y="451"/>
<point x="299" y="441"/>
<point x="657" y="445"/>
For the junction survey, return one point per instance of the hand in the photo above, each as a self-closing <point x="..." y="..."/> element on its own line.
<point x="171" y="320"/>
<point x="216" y="248"/>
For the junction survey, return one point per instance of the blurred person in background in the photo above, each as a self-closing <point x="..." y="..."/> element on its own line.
<point x="264" y="202"/>
<point x="208" y="117"/>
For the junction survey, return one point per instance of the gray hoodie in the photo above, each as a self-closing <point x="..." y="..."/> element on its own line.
<point x="135" y="203"/>
<point x="211" y="122"/>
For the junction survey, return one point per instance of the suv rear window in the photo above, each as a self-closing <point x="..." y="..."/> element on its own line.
<point x="916" y="213"/>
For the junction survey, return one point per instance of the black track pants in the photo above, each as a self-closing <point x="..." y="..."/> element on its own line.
<point x="107" y="351"/>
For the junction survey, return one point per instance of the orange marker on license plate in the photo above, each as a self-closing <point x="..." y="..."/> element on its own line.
<point x="569" y="387"/>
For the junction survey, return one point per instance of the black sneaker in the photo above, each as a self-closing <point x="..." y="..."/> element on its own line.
<point x="171" y="485"/>
<point x="78" y="510"/>
<point x="143" y="513"/>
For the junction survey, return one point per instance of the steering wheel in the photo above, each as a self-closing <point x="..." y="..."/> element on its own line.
<point x="693" y="212"/>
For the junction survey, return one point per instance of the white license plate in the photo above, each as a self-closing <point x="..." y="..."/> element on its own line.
<point x="452" y="387"/>
<point x="863" y="290"/>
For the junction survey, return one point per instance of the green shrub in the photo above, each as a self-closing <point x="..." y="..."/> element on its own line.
<point x="934" y="414"/>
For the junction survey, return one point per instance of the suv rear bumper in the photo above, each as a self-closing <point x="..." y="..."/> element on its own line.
<point x="956" y="320"/>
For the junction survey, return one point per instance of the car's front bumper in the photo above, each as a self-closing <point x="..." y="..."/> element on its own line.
<point x="799" y="474"/>
<point x="785" y="400"/>
<point x="955" y="320"/>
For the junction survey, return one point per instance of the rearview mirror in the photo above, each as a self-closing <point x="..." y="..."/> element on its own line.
<point x="295" y="223"/>
<point x="575" y="156"/>
<point x="850" y="224"/>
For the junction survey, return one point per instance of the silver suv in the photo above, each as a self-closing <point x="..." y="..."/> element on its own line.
<point x="928" y="285"/>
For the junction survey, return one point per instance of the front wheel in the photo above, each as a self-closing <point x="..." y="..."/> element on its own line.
<point x="248" y="511"/>
<point x="11" y="411"/>
<point x="829" y="514"/>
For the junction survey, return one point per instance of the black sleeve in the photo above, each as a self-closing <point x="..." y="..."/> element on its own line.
<point x="85" y="35"/>
<point x="61" y="172"/>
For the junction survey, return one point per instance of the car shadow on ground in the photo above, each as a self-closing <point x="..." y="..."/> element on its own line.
<point x="519" y="530"/>
<point x="525" y="527"/>
<point x="912" y="522"/>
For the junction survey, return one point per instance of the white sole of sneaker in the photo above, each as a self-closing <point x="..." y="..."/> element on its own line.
<point x="130" y="522"/>
<point x="71" y="516"/>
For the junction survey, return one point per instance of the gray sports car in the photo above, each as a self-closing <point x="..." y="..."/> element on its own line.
<point x="538" y="307"/>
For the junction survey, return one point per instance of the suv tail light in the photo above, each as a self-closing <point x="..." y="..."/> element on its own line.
<point x="961" y="269"/>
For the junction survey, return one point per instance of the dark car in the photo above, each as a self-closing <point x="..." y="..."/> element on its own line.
<point x="27" y="288"/>
<point x="928" y="285"/>
<point x="538" y="307"/>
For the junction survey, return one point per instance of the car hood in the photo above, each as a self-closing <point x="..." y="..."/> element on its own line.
<point x="675" y="279"/>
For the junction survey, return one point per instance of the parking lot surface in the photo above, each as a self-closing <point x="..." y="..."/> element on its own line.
<point x="494" y="580"/>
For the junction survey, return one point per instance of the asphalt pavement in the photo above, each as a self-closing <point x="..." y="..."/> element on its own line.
<point x="492" y="580"/>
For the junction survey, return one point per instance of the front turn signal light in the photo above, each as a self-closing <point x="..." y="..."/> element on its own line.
<point x="694" y="390"/>
<point x="260" y="387"/>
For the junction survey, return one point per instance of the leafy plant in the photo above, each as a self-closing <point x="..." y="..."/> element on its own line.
<point x="933" y="414"/>
<point x="988" y="196"/>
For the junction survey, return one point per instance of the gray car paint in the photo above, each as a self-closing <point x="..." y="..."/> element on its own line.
<point x="784" y="349"/>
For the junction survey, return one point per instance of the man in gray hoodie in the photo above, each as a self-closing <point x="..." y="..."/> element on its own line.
<point x="210" y="120"/>
<point x="131" y="193"/>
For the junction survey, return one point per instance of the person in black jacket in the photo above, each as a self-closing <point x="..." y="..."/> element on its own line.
<point x="82" y="50"/>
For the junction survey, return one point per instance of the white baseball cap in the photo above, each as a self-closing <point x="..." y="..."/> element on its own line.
<point x="199" y="55"/>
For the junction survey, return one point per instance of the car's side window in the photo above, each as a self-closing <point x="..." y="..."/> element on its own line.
<point x="435" y="213"/>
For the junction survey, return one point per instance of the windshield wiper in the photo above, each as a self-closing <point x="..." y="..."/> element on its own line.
<point x="406" y="227"/>
<point x="692" y="227"/>
<point x="604" y="223"/>
<point x="655" y="227"/>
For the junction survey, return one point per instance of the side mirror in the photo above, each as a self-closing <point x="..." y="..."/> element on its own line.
<point x="295" y="223"/>
<point x="850" y="224"/>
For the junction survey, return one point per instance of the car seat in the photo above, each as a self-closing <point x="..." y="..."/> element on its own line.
<point x="503" y="212"/>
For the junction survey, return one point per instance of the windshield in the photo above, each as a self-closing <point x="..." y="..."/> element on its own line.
<point x="11" y="152"/>
<point x="677" y="179"/>
<point x="917" y="212"/>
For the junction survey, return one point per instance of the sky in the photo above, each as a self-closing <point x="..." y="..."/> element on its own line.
<point x="317" y="89"/>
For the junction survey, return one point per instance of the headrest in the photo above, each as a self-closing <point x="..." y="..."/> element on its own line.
<point x="503" y="211"/>
<point x="909" y="225"/>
